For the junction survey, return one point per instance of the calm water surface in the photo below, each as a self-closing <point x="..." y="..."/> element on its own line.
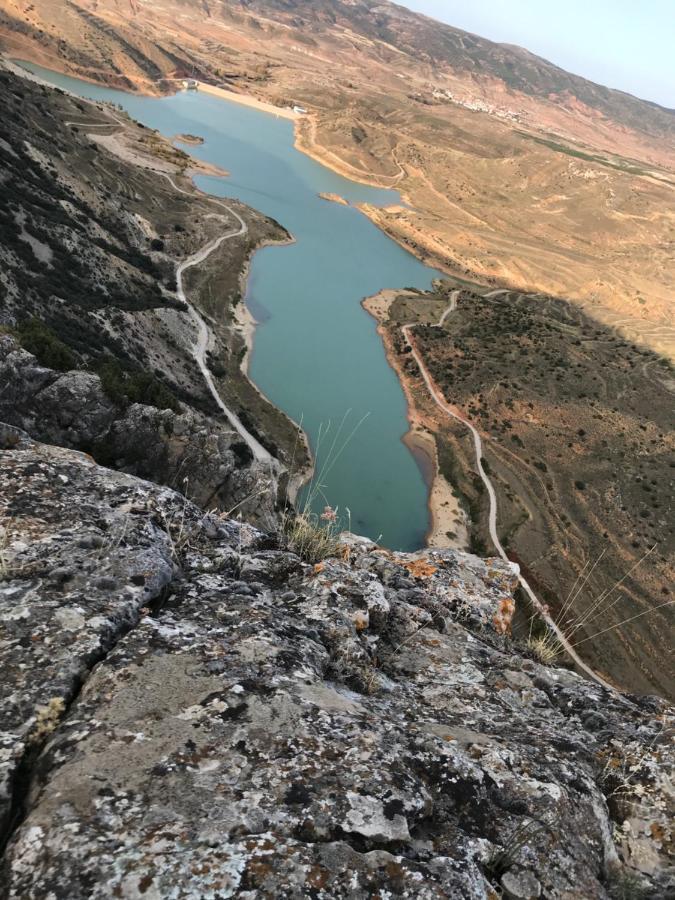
<point x="316" y="353"/>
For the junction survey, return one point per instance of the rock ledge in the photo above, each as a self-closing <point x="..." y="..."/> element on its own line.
<point x="191" y="712"/>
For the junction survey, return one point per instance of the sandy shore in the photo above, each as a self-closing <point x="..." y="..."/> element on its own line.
<point x="448" y="519"/>
<point x="242" y="314"/>
<point x="449" y="527"/>
<point x="282" y="112"/>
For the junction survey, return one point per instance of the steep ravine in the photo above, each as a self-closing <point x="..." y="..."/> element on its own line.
<point x="360" y="727"/>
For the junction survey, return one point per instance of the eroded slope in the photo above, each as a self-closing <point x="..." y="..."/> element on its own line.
<point x="577" y="433"/>
<point x="514" y="171"/>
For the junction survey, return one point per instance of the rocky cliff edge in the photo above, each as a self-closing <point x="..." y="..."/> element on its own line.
<point x="190" y="711"/>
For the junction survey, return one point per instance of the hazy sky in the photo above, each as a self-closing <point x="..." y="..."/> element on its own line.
<point x="625" y="44"/>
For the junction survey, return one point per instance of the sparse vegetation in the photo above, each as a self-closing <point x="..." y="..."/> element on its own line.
<point x="5" y="564"/>
<point x="125" y="387"/>
<point x="577" y="425"/>
<point x="39" y="339"/>
<point x="525" y="833"/>
<point x="81" y="281"/>
<point x="47" y="719"/>
<point x="546" y="648"/>
<point x="313" y="537"/>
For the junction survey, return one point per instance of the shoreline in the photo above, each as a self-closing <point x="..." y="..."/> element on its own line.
<point x="242" y="316"/>
<point x="283" y="112"/>
<point x="337" y="165"/>
<point x="112" y="142"/>
<point x="246" y="323"/>
<point x="443" y="503"/>
<point x="441" y="498"/>
<point x="301" y="143"/>
<point x="428" y="258"/>
<point x="304" y="143"/>
<point x="334" y="198"/>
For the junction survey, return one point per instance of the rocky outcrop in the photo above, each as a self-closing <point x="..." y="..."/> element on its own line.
<point x="91" y="238"/>
<point x="189" y="710"/>
<point x="206" y="459"/>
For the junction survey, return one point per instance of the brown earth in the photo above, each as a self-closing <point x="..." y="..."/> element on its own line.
<point x="558" y="186"/>
<point x="578" y="441"/>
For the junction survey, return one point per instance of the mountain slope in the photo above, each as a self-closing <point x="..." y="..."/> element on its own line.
<point x="98" y="353"/>
<point x="425" y="40"/>
<point x="127" y="43"/>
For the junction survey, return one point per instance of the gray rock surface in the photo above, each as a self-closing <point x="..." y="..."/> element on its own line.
<point x="188" y="450"/>
<point x="190" y="711"/>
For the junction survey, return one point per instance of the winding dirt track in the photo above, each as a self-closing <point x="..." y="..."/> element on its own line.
<point x="200" y="347"/>
<point x="199" y="351"/>
<point x="441" y="402"/>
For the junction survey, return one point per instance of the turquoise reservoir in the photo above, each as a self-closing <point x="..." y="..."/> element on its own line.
<point x="316" y="354"/>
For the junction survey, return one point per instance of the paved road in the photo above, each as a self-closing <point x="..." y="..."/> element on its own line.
<point x="441" y="402"/>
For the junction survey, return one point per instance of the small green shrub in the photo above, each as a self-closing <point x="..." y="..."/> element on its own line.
<point x="42" y="342"/>
<point x="124" y="387"/>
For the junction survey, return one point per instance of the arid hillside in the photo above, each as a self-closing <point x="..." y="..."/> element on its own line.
<point x="381" y="27"/>
<point x="576" y="428"/>
<point x="514" y="171"/>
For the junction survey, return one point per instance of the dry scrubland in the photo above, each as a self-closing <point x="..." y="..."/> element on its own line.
<point x="578" y="440"/>
<point x="562" y="187"/>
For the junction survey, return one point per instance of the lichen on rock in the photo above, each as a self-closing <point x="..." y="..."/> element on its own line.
<point x="238" y="723"/>
<point x="185" y="448"/>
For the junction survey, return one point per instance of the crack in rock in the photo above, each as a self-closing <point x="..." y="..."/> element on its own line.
<point x="262" y="739"/>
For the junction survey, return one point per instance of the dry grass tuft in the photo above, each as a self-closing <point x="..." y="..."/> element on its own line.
<point x="545" y="648"/>
<point x="316" y="536"/>
<point x="6" y="569"/>
<point x="47" y="719"/>
<point x="310" y="538"/>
